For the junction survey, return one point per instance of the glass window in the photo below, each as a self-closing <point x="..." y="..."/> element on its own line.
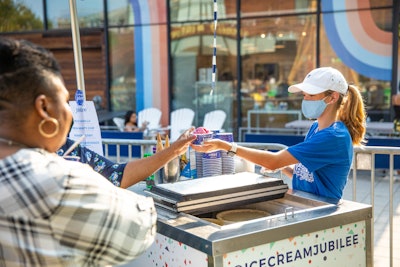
<point x="275" y="52"/>
<point x="192" y="53"/>
<point x="250" y="8"/>
<point x="380" y="3"/>
<point x="23" y="15"/>
<point x="123" y="78"/>
<point x="193" y="10"/>
<point x="90" y="14"/>
<point x="381" y="17"/>
<point x="365" y="58"/>
<point x="329" y="5"/>
<point x="119" y="13"/>
<point x="137" y="12"/>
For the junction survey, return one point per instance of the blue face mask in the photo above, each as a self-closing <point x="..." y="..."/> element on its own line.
<point x="312" y="109"/>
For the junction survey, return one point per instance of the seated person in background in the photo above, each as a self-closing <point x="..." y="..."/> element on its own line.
<point x="127" y="174"/>
<point x="55" y="212"/>
<point x="131" y="122"/>
<point x="322" y="161"/>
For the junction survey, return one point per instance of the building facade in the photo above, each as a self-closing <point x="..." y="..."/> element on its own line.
<point x="152" y="53"/>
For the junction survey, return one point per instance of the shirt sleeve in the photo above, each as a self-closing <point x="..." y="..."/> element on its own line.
<point x="106" y="224"/>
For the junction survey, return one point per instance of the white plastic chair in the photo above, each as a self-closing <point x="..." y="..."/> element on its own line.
<point x="120" y="123"/>
<point x="152" y="116"/>
<point x="214" y="120"/>
<point x="181" y="120"/>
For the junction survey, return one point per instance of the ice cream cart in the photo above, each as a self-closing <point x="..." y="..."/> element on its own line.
<point x="265" y="224"/>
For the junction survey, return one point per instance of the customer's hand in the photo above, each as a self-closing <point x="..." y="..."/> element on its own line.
<point x="182" y="144"/>
<point x="187" y="133"/>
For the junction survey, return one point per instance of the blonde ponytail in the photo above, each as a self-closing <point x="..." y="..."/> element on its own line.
<point x="352" y="113"/>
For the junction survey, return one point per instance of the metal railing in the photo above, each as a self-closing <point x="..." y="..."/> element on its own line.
<point x="130" y="143"/>
<point x="374" y="132"/>
<point x="257" y="130"/>
<point x="146" y="146"/>
<point x="364" y="159"/>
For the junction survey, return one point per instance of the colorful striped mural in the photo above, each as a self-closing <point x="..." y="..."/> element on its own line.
<point x="353" y="35"/>
<point x="151" y="55"/>
<point x="356" y="39"/>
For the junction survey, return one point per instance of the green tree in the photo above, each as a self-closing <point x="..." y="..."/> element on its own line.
<point x="14" y="16"/>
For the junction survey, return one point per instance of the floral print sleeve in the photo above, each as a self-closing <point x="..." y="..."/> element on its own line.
<point x="110" y="170"/>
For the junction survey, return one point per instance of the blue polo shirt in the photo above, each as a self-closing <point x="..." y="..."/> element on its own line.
<point x="325" y="160"/>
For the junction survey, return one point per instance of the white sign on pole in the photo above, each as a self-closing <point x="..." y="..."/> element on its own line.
<point x="86" y="123"/>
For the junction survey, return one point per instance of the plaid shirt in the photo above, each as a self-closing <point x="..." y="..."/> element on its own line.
<point x="55" y="212"/>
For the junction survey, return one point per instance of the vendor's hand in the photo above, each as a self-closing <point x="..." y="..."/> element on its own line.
<point x="208" y="146"/>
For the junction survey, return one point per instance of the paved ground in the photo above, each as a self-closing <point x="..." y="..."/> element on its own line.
<point x="381" y="213"/>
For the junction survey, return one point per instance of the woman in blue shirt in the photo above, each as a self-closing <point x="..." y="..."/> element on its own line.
<point x="321" y="163"/>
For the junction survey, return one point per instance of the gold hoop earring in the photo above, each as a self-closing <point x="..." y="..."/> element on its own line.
<point x="52" y="120"/>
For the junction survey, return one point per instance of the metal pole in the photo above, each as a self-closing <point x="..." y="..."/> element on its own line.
<point x="391" y="213"/>
<point x="80" y="80"/>
<point x="107" y="47"/>
<point x="238" y="66"/>
<point x="373" y="155"/>
<point x="395" y="54"/>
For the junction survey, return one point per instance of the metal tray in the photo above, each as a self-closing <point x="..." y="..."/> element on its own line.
<point x="213" y="193"/>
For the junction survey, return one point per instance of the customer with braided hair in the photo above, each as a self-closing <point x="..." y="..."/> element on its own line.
<point x="322" y="161"/>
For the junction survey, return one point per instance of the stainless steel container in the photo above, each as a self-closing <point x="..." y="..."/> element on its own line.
<point x="302" y="230"/>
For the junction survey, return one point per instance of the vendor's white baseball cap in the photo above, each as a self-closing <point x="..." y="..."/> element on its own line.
<point x="320" y="80"/>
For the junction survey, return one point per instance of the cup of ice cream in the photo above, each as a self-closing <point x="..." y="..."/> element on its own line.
<point x="202" y="134"/>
